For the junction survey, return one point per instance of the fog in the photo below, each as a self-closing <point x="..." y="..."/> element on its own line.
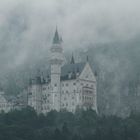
<point x="27" y="28"/>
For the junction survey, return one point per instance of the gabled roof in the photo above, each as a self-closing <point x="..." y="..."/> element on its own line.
<point x="73" y="69"/>
<point x="67" y="69"/>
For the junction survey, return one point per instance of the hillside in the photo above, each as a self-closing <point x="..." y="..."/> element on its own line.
<point x="84" y="125"/>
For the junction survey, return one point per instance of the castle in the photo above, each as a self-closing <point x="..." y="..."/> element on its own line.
<point x="68" y="86"/>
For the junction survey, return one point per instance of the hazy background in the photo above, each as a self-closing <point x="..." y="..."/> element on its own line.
<point x="107" y="30"/>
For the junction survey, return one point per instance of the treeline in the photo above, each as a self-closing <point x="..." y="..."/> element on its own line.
<point x="83" y="125"/>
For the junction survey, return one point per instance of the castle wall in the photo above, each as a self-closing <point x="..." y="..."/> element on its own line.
<point x="69" y="95"/>
<point x="46" y="99"/>
<point x="80" y="92"/>
<point x="88" y="87"/>
<point x="35" y="97"/>
<point x="5" y="105"/>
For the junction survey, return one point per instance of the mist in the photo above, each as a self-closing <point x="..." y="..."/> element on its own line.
<point x="108" y="31"/>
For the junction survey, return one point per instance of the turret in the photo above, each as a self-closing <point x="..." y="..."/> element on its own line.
<point x="56" y="62"/>
<point x="35" y="93"/>
<point x="72" y="59"/>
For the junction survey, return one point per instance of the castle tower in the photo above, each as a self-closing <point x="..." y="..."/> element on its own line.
<point x="56" y="62"/>
<point x="35" y="93"/>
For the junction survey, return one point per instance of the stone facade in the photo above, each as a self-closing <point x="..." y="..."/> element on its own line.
<point x="7" y="103"/>
<point x="68" y="86"/>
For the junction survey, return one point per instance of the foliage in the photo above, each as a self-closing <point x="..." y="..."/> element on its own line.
<point x="25" y="124"/>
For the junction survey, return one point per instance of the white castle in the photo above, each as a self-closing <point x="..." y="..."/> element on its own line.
<point x="69" y="87"/>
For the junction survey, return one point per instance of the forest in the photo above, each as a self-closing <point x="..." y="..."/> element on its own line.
<point x="25" y="124"/>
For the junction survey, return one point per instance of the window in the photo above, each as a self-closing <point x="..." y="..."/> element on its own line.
<point x="55" y="85"/>
<point x="74" y="83"/>
<point x="67" y="84"/>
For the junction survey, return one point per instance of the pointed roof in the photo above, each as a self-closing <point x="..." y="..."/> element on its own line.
<point x="72" y="60"/>
<point x="56" y="39"/>
<point x="73" y="68"/>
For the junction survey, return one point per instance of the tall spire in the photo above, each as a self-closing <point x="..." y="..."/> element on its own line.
<point x="72" y="59"/>
<point x="56" y="39"/>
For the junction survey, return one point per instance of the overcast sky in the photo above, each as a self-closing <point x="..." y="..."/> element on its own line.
<point x="27" y="26"/>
